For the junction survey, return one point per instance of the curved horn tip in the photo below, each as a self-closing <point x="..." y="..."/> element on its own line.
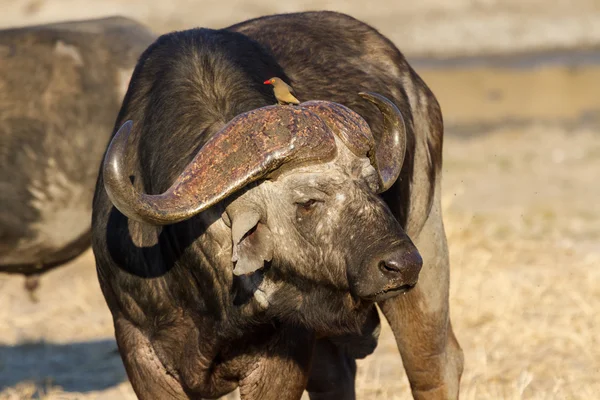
<point x="120" y="138"/>
<point x="371" y="95"/>
<point x="115" y="148"/>
<point x="390" y="151"/>
<point x="122" y="132"/>
<point x="115" y="183"/>
<point x="376" y="98"/>
<point x="127" y="124"/>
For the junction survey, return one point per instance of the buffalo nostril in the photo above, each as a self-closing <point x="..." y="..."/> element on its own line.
<point x="390" y="266"/>
<point x="404" y="265"/>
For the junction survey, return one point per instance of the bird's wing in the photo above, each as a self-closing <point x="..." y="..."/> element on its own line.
<point x="290" y="89"/>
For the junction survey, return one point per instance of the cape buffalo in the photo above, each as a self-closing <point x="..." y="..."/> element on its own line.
<point x="60" y="87"/>
<point x="245" y="244"/>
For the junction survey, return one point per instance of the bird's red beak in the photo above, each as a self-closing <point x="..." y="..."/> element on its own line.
<point x="267" y="82"/>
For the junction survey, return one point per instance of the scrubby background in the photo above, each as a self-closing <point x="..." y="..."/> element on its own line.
<point x="519" y="85"/>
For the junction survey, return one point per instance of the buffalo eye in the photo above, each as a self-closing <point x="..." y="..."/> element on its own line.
<point x="305" y="208"/>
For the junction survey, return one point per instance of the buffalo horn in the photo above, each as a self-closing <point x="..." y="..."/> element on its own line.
<point x="391" y="146"/>
<point x="249" y="147"/>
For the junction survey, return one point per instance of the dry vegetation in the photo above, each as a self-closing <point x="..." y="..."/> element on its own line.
<point x="521" y="212"/>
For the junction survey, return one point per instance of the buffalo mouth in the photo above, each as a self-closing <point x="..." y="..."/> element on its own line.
<point x="388" y="293"/>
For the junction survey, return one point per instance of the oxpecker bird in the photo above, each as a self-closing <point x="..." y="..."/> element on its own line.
<point x="283" y="92"/>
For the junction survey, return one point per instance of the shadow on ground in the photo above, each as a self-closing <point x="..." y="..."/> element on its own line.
<point x="76" y="367"/>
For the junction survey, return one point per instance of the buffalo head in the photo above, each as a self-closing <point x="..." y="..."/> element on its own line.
<point x="306" y="181"/>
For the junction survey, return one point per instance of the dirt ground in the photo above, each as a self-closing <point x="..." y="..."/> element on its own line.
<point x="521" y="196"/>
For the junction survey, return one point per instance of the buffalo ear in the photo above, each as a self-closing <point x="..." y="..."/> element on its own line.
<point x="251" y="240"/>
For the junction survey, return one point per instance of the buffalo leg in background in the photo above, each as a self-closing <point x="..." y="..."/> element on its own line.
<point x="333" y="373"/>
<point x="420" y="319"/>
<point x="333" y="370"/>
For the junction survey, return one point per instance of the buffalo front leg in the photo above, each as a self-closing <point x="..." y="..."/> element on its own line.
<point x="281" y="368"/>
<point x="420" y="320"/>
<point x="146" y="373"/>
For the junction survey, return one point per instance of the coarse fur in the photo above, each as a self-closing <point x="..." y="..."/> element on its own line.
<point x="60" y="86"/>
<point x="185" y="325"/>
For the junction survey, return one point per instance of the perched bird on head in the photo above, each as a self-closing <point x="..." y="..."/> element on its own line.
<point x="283" y="92"/>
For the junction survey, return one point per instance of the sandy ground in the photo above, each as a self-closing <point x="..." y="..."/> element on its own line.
<point x="521" y="198"/>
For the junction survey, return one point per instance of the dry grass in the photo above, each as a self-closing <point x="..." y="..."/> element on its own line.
<point x="525" y="288"/>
